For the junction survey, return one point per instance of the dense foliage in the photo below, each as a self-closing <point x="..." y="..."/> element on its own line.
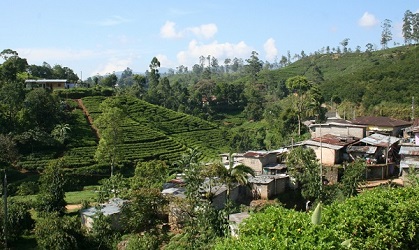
<point x="384" y="218"/>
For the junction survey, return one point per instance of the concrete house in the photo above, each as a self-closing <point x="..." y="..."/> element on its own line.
<point x="330" y="149"/>
<point x="340" y="128"/>
<point x="268" y="186"/>
<point x="257" y="160"/>
<point x="48" y="84"/>
<point x="382" y="125"/>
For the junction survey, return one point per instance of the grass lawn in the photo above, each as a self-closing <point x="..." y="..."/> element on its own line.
<point x="88" y="194"/>
<point x="76" y="197"/>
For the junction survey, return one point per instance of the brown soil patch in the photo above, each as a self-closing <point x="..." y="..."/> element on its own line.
<point x="71" y="207"/>
<point x="88" y="117"/>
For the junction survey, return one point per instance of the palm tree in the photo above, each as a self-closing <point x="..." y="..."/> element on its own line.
<point x="236" y="174"/>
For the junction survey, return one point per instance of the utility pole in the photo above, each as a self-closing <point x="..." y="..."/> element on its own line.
<point x="413" y="108"/>
<point x="5" y="208"/>
<point x="321" y="158"/>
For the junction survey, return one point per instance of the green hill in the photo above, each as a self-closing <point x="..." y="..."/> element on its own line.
<point x="374" y="83"/>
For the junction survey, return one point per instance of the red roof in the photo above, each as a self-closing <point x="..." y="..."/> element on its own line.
<point x="380" y="121"/>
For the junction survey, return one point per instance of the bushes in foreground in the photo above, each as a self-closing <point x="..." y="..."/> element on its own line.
<point x="384" y="218"/>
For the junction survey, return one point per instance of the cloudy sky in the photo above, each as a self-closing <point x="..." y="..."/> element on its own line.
<point x="100" y="37"/>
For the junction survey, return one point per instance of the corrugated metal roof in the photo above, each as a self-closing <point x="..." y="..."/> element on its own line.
<point x="112" y="207"/>
<point x="362" y="149"/>
<point x="409" y="150"/>
<point x="46" y="81"/>
<point x="336" y="140"/>
<point x="380" y="140"/>
<point x="322" y="144"/>
<point x="257" y="154"/>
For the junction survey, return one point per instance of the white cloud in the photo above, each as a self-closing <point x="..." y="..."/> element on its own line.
<point x="164" y="61"/>
<point x="270" y="49"/>
<point x="368" y="20"/>
<point x="168" y="30"/>
<point x="220" y="51"/>
<point x="205" y="30"/>
<point x="114" y="64"/>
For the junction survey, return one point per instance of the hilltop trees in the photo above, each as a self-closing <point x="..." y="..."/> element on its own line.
<point x="410" y="28"/>
<point x="386" y="35"/>
<point x="12" y="66"/>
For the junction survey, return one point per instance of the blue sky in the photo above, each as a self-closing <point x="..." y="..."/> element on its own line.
<point x="99" y="37"/>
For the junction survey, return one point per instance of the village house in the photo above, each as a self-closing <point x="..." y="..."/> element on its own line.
<point x="49" y="84"/>
<point x="257" y="160"/>
<point x="380" y="152"/>
<point x="210" y="190"/>
<point x="112" y="209"/>
<point x="268" y="186"/>
<point x="411" y="134"/>
<point x="382" y="125"/>
<point x="340" y="128"/>
<point x="331" y="152"/>
<point x="330" y="149"/>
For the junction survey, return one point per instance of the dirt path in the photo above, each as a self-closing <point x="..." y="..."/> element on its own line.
<point x="88" y="117"/>
<point x="71" y="207"/>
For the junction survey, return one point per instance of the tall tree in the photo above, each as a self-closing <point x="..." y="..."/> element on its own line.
<point x="42" y="109"/>
<point x="344" y="44"/>
<point x="386" y="35"/>
<point x="109" y="80"/>
<point x="11" y="96"/>
<point x="299" y="85"/>
<point x="254" y="65"/>
<point x="415" y="27"/>
<point x="407" y="27"/>
<point x="111" y="134"/>
<point x="8" y="151"/>
<point x="12" y="66"/>
<point x="305" y="168"/>
<point x="51" y="197"/>
<point x="139" y="85"/>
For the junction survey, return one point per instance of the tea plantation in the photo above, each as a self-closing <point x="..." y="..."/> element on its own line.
<point x="149" y="132"/>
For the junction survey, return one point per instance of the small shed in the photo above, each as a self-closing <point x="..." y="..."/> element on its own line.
<point x="111" y="208"/>
<point x="268" y="186"/>
<point x="409" y="160"/>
